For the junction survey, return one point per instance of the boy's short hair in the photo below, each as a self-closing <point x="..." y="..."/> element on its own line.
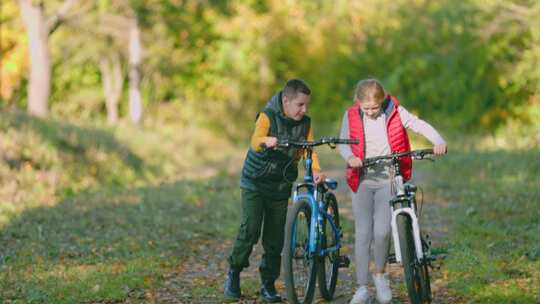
<point x="295" y="86"/>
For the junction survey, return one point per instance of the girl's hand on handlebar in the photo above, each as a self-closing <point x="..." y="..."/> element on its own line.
<point x="440" y="149"/>
<point x="319" y="177"/>
<point x="354" y="162"/>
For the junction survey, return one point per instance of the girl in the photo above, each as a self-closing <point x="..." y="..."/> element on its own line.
<point x="379" y="122"/>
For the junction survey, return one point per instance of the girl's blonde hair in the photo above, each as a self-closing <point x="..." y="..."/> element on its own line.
<point x="369" y="90"/>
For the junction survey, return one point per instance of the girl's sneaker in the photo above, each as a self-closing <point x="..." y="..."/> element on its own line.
<point x="360" y="296"/>
<point x="384" y="294"/>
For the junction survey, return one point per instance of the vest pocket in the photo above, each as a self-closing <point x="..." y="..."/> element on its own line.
<point x="271" y="171"/>
<point x="273" y="167"/>
<point x="279" y="171"/>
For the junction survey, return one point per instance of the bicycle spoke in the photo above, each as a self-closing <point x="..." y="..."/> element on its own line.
<point x="301" y="262"/>
<point x="329" y="263"/>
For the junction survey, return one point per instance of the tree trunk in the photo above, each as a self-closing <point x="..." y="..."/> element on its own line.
<point x="39" y="85"/>
<point x="135" y="50"/>
<point x="112" y="79"/>
<point x="39" y="29"/>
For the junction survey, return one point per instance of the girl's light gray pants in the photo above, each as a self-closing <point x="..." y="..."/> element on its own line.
<point x="372" y="216"/>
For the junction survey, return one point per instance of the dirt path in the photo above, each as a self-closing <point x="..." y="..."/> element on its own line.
<point x="200" y="278"/>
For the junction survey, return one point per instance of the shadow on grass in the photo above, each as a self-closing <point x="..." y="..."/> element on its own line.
<point x="70" y="139"/>
<point x="112" y="245"/>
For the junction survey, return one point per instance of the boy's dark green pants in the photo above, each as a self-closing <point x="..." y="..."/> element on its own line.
<point x="260" y="212"/>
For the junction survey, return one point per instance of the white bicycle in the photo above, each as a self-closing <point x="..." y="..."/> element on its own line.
<point x="412" y="251"/>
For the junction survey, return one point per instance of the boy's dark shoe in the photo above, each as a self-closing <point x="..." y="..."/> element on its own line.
<point x="269" y="293"/>
<point x="232" y="284"/>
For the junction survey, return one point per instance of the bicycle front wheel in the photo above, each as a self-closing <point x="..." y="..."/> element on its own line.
<point x="299" y="267"/>
<point x="424" y="278"/>
<point x="416" y="273"/>
<point x="329" y="263"/>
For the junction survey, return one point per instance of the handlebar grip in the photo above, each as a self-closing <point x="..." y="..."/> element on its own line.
<point x="347" y="141"/>
<point x="366" y="163"/>
<point x="421" y="153"/>
<point x="424" y="151"/>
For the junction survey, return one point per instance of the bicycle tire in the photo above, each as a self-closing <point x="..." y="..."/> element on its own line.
<point x="327" y="277"/>
<point x="295" y="252"/>
<point x="415" y="272"/>
<point x="425" y="279"/>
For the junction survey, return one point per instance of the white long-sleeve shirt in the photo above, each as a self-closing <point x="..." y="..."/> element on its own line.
<point x="376" y="140"/>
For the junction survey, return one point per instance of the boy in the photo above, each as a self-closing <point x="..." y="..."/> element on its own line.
<point x="266" y="182"/>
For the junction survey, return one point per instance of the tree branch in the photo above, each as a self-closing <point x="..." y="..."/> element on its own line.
<point x="520" y="11"/>
<point x="54" y="21"/>
<point x="508" y="14"/>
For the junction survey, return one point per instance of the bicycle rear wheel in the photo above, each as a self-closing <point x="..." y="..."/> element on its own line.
<point x="299" y="268"/>
<point x="328" y="267"/>
<point x="416" y="273"/>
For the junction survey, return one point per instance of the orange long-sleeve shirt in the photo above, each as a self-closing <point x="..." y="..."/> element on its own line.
<point x="262" y="126"/>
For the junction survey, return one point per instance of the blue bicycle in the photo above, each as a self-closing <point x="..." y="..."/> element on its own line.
<point x="312" y="232"/>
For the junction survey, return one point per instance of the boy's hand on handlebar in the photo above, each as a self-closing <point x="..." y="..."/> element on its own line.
<point x="440" y="149"/>
<point x="319" y="177"/>
<point x="354" y="162"/>
<point x="270" y="142"/>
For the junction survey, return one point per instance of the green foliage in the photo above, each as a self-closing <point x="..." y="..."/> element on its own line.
<point x="461" y="64"/>
<point x="439" y="58"/>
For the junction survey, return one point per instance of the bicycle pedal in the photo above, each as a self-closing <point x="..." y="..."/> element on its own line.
<point x="434" y="267"/>
<point x="343" y="261"/>
<point x="438" y="257"/>
<point x="392" y="258"/>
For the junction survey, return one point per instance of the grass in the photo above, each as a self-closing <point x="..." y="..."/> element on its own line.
<point x="111" y="245"/>
<point x="493" y="200"/>
<point x="99" y="214"/>
<point x="43" y="162"/>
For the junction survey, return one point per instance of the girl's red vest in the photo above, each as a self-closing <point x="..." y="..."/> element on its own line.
<point x="397" y="138"/>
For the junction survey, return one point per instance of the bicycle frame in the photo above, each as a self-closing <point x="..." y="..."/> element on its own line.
<point x="317" y="217"/>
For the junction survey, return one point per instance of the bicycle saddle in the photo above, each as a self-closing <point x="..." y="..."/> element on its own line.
<point x="410" y="188"/>
<point x="330" y="183"/>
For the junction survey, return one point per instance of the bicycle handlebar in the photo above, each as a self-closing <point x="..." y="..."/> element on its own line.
<point x="415" y="154"/>
<point x="331" y="141"/>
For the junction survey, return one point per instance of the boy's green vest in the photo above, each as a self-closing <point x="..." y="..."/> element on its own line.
<point x="273" y="171"/>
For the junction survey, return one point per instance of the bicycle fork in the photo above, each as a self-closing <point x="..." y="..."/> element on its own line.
<point x="416" y="232"/>
<point x="315" y="231"/>
<point x="421" y="246"/>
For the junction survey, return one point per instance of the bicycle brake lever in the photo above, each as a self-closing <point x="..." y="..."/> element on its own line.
<point x="283" y="143"/>
<point x="368" y="164"/>
<point x="422" y="156"/>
